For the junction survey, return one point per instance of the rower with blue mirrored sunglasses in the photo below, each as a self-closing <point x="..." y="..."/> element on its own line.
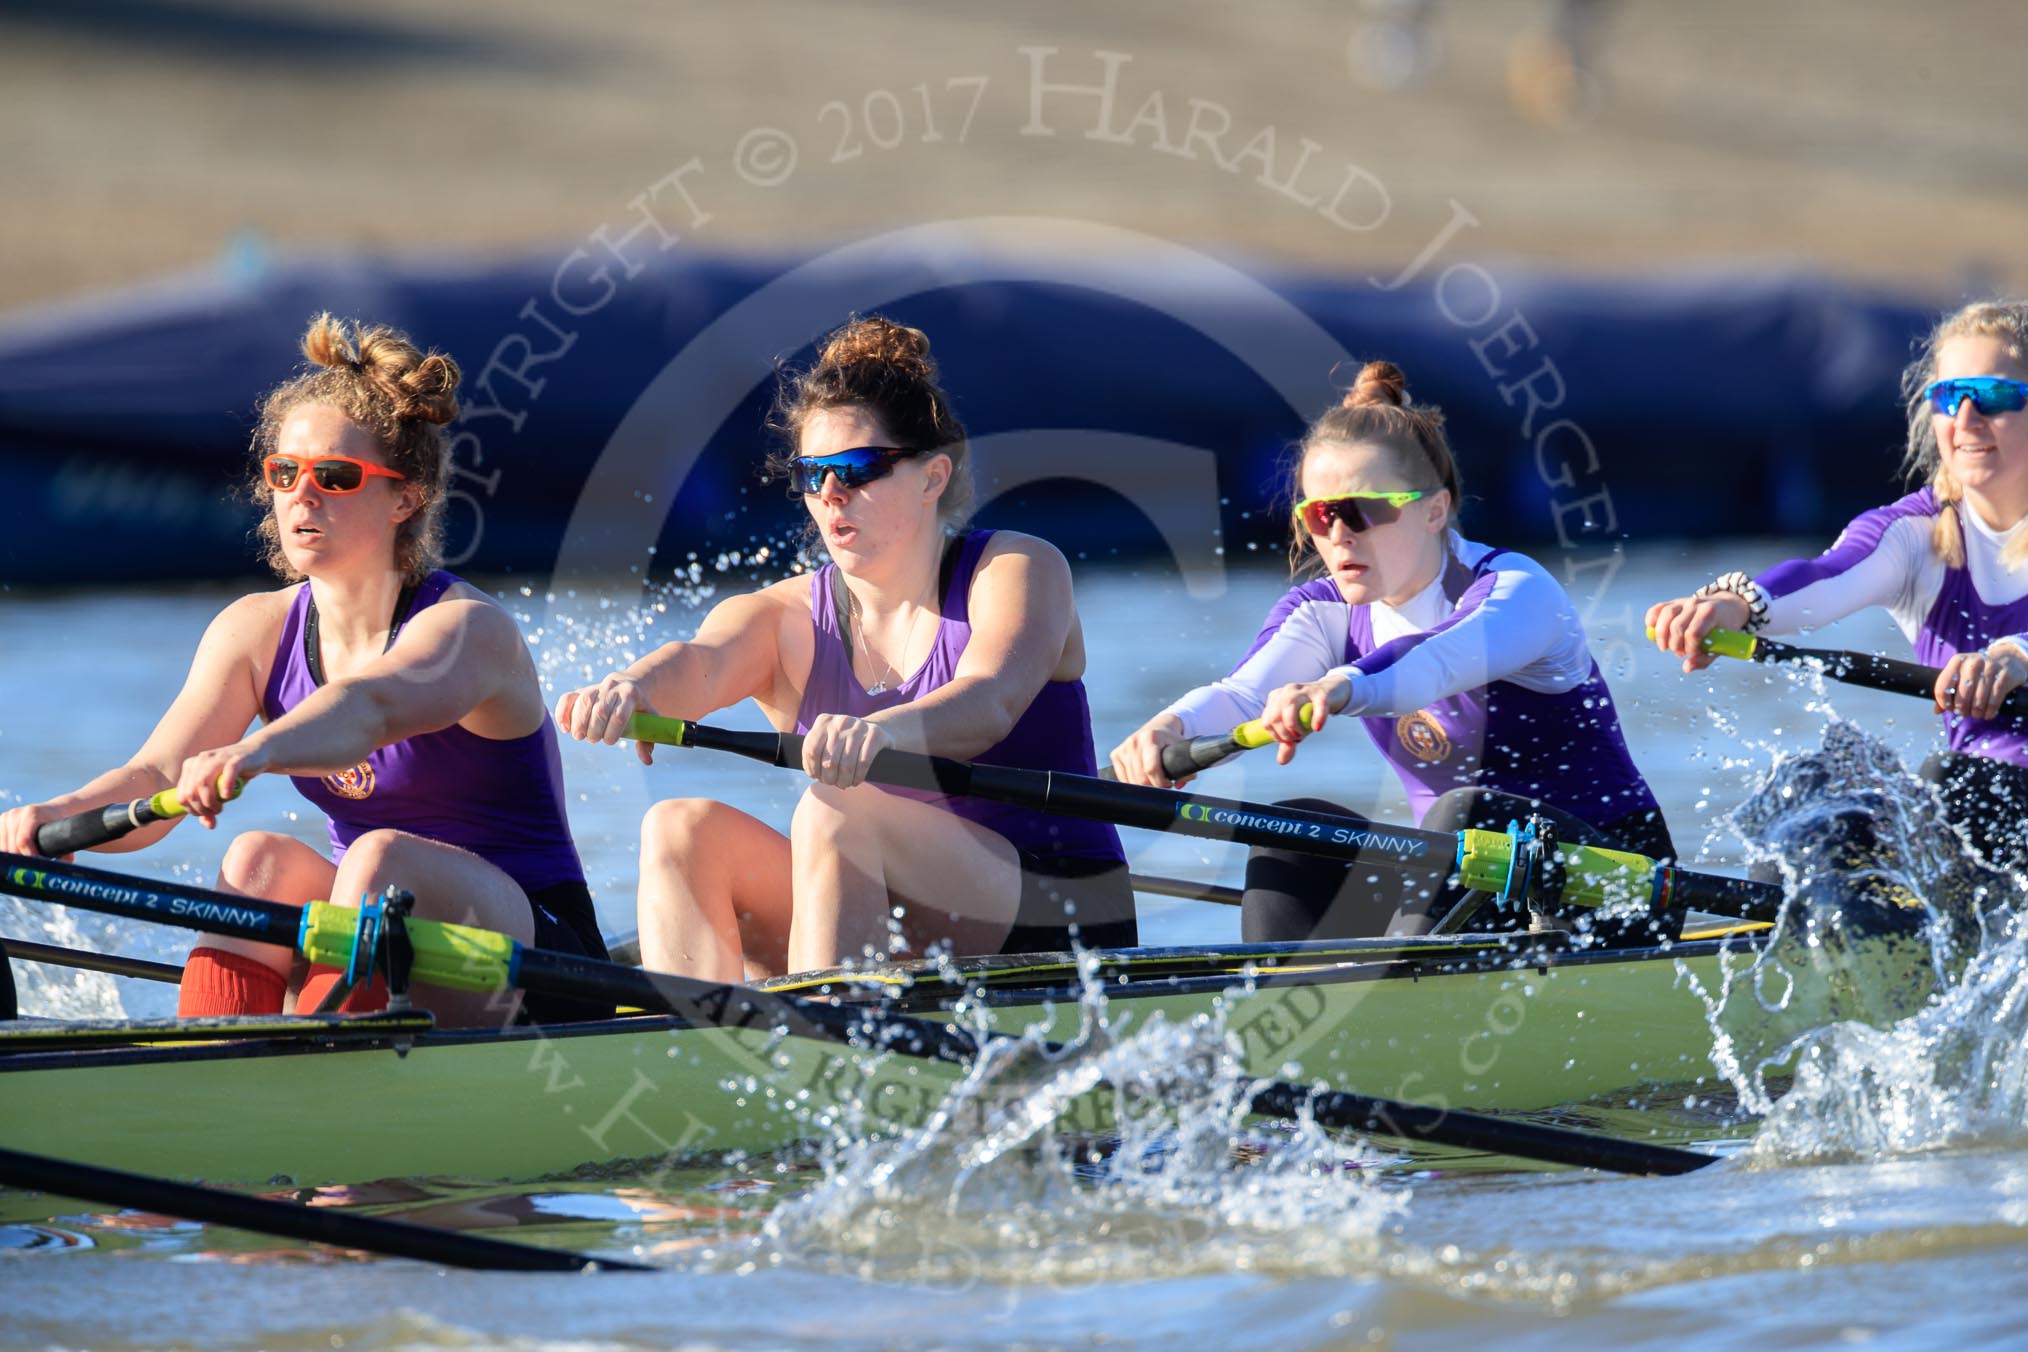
<point x="1989" y="395"/>
<point x="855" y="468"/>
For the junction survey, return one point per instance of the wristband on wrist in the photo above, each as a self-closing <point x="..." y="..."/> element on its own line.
<point x="1746" y="589"/>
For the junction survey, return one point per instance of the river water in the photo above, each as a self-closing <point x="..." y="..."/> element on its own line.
<point x="1884" y="1203"/>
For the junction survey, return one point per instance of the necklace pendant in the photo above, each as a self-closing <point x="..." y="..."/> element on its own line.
<point x="877" y="688"/>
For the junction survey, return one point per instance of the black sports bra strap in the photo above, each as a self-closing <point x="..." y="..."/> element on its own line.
<point x="954" y="549"/>
<point x="313" y="648"/>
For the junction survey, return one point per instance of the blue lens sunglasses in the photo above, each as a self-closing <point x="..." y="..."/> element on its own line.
<point x="1989" y="395"/>
<point x="855" y="468"/>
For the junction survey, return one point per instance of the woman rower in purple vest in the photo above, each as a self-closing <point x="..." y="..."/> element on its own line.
<point x="1949" y="562"/>
<point x="400" y="699"/>
<point x="1467" y="665"/>
<point x="919" y="634"/>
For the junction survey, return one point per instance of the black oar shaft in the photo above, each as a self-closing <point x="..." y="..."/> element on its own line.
<point x="197" y="908"/>
<point x="1471" y="1131"/>
<point x="1185" y="889"/>
<point x="1175" y="810"/>
<point x="1875" y="672"/>
<point x="113" y="964"/>
<point x="97" y="827"/>
<point x="1186" y="813"/>
<point x="1180" y="760"/>
<point x="321" y="1225"/>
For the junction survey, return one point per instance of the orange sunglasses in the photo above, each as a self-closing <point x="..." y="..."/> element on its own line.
<point x="331" y="473"/>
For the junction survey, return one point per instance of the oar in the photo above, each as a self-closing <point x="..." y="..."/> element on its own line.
<point x="322" y="1225"/>
<point x="1862" y="669"/>
<point x="102" y="825"/>
<point x="1484" y="860"/>
<point x="1181" y="760"/>
<point x="464" y="958"/>
<point x="113" y="964"/>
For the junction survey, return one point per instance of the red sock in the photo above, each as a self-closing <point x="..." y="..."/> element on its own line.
<point x="318" y="984"/>
<point x="218" y="982"/>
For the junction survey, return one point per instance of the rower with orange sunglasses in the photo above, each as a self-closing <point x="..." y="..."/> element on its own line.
<point x="400" y="698"/>
<point x="1466" y="664"/>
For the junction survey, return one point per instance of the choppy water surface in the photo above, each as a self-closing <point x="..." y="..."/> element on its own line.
<point x="1883" y="1199"/>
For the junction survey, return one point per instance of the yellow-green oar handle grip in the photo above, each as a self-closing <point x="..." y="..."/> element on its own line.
<point x="1180" y="760"/>
<point x="657" y="729"/>
<point x="1727" y="643"/>
<point x="99" y="826"/>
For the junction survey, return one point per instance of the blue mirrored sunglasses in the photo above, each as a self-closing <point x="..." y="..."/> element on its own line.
<point x="855" y="468"/>
<point x="1989" y="395"/>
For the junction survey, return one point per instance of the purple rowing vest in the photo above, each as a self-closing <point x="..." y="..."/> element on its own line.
<point x="1566" y="749"/>
<point x="1053" y="733"/>
<point x="502" y="800"/>
<point x="1961" y="621"/>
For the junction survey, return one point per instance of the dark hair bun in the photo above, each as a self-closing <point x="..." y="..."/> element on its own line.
<point x="875" y="339"/>
<point x="1378" y="382"/>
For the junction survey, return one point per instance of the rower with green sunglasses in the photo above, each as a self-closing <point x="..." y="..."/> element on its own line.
<point x="1466" y="664"/>
<point x="918" y="634"/>
<point x="1949" y="562"/>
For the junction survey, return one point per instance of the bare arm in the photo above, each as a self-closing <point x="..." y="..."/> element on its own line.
<point x="736" y="655"/>
<point x="456" y="661"/>
<point x="220" y="699"/>
<point x="1022" y="610"/>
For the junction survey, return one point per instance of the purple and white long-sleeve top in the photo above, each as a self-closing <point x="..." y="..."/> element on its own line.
<point x="1481" y="679"/>
<point x="1884" y="558"/>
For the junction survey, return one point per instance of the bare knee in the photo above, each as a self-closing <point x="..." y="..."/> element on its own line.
<point x="255" y="861"/>
<point x="823" y="814"/>
<point x="674" y="829"/>
<point x="369" y="862"/>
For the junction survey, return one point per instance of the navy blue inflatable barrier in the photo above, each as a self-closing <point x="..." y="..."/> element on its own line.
<point x="1118" y="407"/>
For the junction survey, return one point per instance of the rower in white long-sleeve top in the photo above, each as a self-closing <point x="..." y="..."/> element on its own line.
<point x="1467" y="664"/>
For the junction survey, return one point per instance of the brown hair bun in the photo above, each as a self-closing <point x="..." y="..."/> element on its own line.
<point x="378" y="378"/>
<point x="885" y="368"/>
<point x="1378" y="383"/>
<point x="416" y="384"/>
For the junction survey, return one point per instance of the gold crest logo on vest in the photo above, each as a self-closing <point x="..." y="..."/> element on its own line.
<point x="1424" y="737"/>
<point x="354" y="783"/>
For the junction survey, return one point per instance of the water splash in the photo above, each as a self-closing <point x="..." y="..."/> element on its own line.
<point x="584" y="637"/>
<point x="51" y="992"/>
<point x="1887" y="1013"/>
<point x="989" y="1188"/>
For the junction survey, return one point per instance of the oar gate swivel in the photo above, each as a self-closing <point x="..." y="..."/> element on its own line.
<point x="376" y="939"/>
<point x="1526" y="866"/>
<point x="381" y="935"/>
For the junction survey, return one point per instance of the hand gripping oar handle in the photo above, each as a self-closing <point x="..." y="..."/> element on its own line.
<point x="1180" y="760"/>
<point x="1590" y="874"/>
<point x="100" y="826"/>
<point x="1861" y="669"/>
<point x="475" y="959"/>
